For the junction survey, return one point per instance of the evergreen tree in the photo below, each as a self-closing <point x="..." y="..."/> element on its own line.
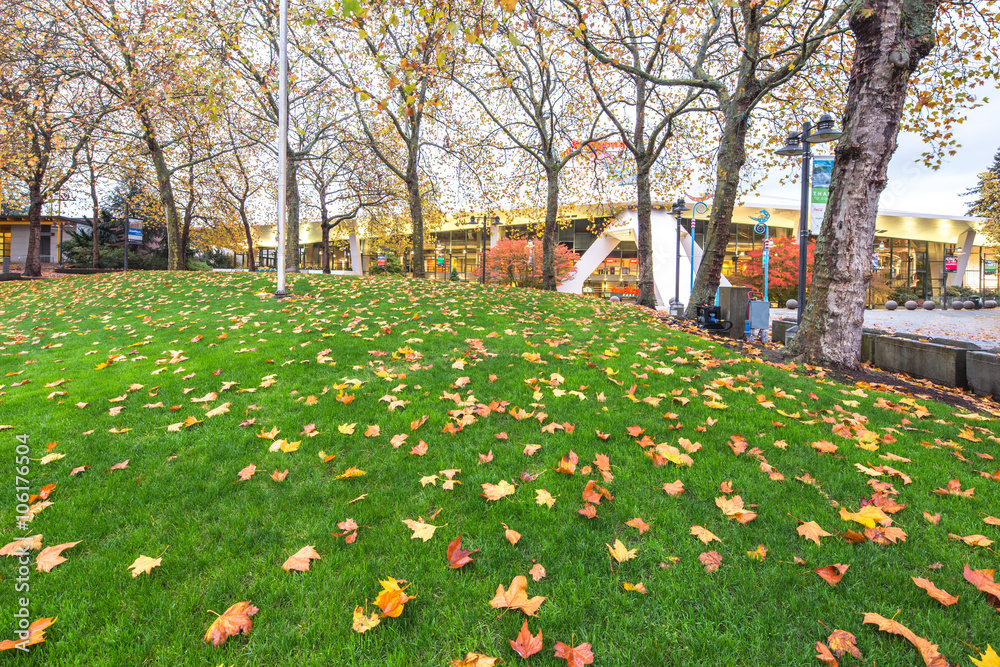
<point x="987" y="202"/>
<point x="980" y="206"/>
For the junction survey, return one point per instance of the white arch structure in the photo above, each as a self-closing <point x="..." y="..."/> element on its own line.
<point x="664" y="242"/>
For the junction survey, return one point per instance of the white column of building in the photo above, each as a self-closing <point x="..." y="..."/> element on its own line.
<point x="964" y="249"/>
<point x="355" y="252"/>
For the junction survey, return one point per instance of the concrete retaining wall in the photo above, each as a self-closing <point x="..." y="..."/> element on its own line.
<point x="982" y="371"/>
<point x="940" y="363"/>
<point x="941" y="360"/>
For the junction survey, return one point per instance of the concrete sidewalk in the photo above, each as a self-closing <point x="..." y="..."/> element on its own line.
<point x="981" y="327"/>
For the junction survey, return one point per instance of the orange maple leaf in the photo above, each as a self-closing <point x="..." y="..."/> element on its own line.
<point x="941" y="596"/>
<point x="638" y="524"/>
<point x="392" y="598"/>
<point x="576" y="656"/>
<point x="832" y="574"/>
<point x="49" y="557"/>
<point x="812" y="531"/>
<point x="119" y="466"/>
<point x="299" y="561"/>
<point x="457" y="557"/>
<point x="711" y="560"/>
<point x="955" y="489"/>
<point x="526" y="643"/>
<point x="928" y="651"/>
<point x="497" y="491"/>
<point x="234" y="621"/>
<point x="36" y="635"/>
<point x="674" y="488"/>
<point x="516" y="597"/>
<point x="842" y="642"/>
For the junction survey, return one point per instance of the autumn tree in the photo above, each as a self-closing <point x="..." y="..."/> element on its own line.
<point x="389" y="57"/>
<point x="47" y="117"/>
<point x="239" y="179"/>
<point x="987" y="200"/>
<point x="515" y="262"/>
<point x="783" y="268"/>
<point x="144" y="64"/>
<point x="525" y="77"/>
<point x="891" y="39"/>
<point x="348" y="184"/>
<point x="736" y="53"/>
<point x="628" y="69"/>
<point x="242" y="37"/>
<point x="94" y="168"/>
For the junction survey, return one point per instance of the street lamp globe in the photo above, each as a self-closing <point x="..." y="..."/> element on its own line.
<point x="793" y="146"/>
<point x="825" y="131"/>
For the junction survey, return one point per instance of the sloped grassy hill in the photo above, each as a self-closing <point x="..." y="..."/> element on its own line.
<point x="192" y="378"/>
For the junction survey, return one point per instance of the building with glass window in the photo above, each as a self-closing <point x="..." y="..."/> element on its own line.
<point x="14" y="237"/>
<point x="915" y="253"/>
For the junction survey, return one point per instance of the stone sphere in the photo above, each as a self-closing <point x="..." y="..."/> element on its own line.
<point x="614" y="298"/>
<point x="990" y="304"/>
<point x="791" y="304"/>
<point x="969" y="305"/>
<point x="910" y="305"/>
<point x="929" y="305"/>
<point x="957" y="305"/>
<point x="891" y="305"/>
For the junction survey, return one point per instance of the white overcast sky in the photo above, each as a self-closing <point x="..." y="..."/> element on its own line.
<point x="915" y="188"/>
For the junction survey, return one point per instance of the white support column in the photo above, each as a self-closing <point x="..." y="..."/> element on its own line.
<point x="964" y="249"/>
<point x="355" y="247"/>
<point x="594" y="257"/>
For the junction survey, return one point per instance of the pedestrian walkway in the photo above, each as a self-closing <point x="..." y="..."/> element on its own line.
<point x="981" y="327"/>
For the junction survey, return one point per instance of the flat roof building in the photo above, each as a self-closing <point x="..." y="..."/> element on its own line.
<point x="919" y="253"/>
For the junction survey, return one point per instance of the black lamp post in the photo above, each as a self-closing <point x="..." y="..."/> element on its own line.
<point x="799" y="143"/>
<point x="473" y="221"/>
<point x="678" y="210"/>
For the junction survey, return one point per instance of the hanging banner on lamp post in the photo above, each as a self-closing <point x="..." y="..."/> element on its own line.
<point x="822" y="169"/>
<point x="134" y="230"/>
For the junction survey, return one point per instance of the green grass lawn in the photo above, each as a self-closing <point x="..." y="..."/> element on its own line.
<point x="390" y="353"/>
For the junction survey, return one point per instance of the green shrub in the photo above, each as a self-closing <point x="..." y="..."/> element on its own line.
<point x="961" y="291"/>
<point x="454" y="274"/>
<point x="393" y="266"/>
<point x="903" y="294"/>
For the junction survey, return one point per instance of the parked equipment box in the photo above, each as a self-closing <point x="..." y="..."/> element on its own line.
<point x="760" y="315"/>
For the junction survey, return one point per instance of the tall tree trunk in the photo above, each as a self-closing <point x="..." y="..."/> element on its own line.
<point x="550" y="235"/>
<point x="186" y="233"/>
<point x="643" y="212"/>
<point x="175" y="252"/>
<point x="33" y="261"/>
<point x="324" y="225"/>
<point x="731" y="156"/>
<point x="891" y="38"/>
<point x="94" y="237"/>
<point x="416" y="216"/>
<point x="643" y="200"/>
<point x="325" y="228"/>
<point x="292" y="203"/>
<point x="251" y="264"/>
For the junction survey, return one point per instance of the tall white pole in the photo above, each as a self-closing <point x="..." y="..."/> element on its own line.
<point x="282" y="139"/>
